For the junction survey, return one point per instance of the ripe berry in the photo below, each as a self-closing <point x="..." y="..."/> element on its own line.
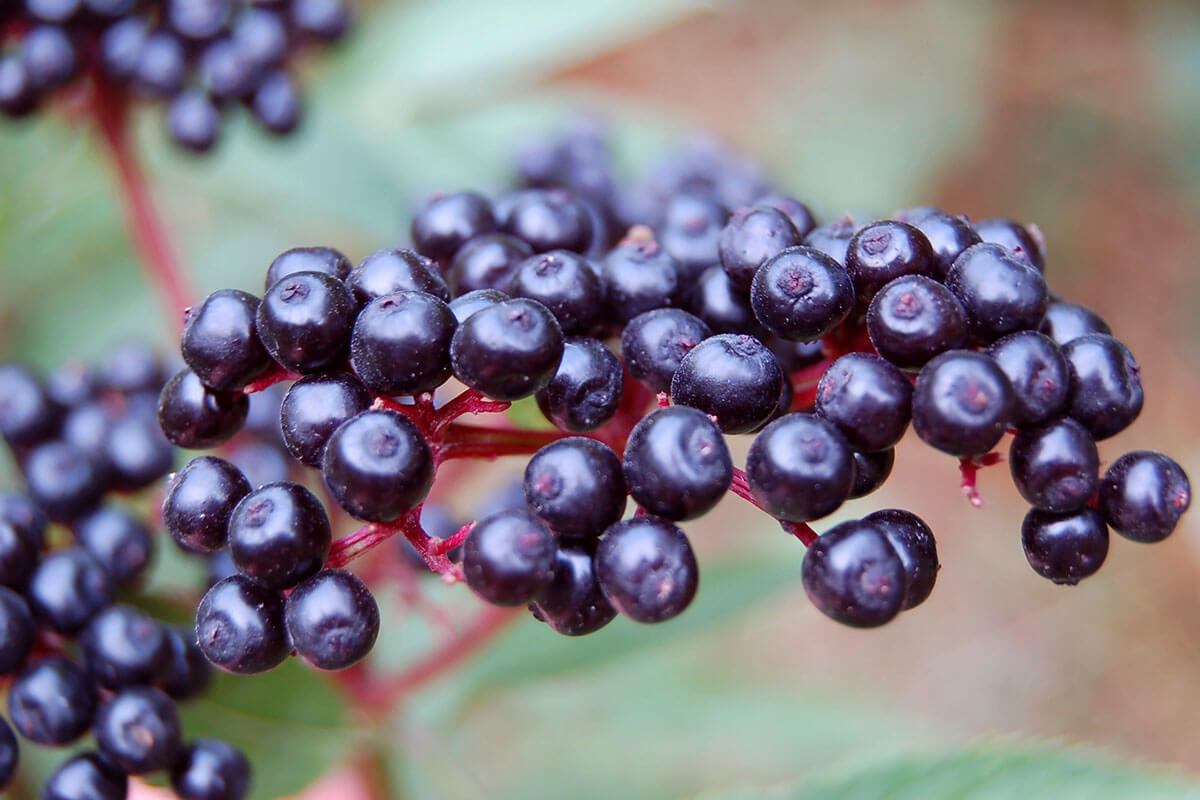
<point x="161" y="65"/>
<point x="564" y="282"/>
<point x="18" y="97"/>
<point x="948" y="236"/>
<point x="465" y="305"/>
<point x="638" y="277"/>
<point x="487" y="262"/>
<point x="914" y="318"/>
<point x="1143" y="495"/>
<point x="377" y="465"/>
<point x="276" y="103"/>
<point x="1055" y="467"/>
<point x="193" y="121"/>
<point x="882" y="252"/>
<point x="19" y="510"/>
<point x="304" y="321"/>
<point x="913" y="542"/>
<point x="18" y="555"/>
<point x="401" y="343"/>
<point x="9" y="754"/>
<point x="801" y="293"/>
<point x="121" y="47"/>
<point x="209" y="769"/>
<point x="1015" y="237"/>
<point x="677" y="464"/>
<point x="573" y="603"/>
<point x="833" y="239"/>
<point x="1066" y="321"/>
<point x="49" y="56"/>
<point x="332" y="619"/>
<point x="17" y="631"/>
<point x="389" y="271"/>
<point x="691" y="231"/>
<point x="220" y="343"/>
<point x="750" y="237"/>
<point x="326" y="20"/>
<point x="185" y="672"/>
<point x="647" y="569"/>
<point x="197" y="20"/>
<point x="88" y="776"/>
<point x="308" y="259"/>
<point x="226" y="72"/>
<point x="1038" y="373"/>
<point x="63" y="480"/>
<point x="139" y="730"/>
<point x="1066" y="548"/>
<point x="51" y="701"/>
<point x="199" y="500"/>
<point x="509" y="557"/>
<point x="26" y="414"/>
<point x="239" y="626"/>
<point x="853" y="575"/>
<point x="132" y="368"/>
<point x="314" y="407"/>
<point x="962" y="403"/>
<point x="867" y="398"/>
<point x="585" y="391"/>
<point x="448" y="221"/>
<point x="66" y="590"/>
<point x="116" y="539"/>
<point x="547" y="220"/>
<point x="508" y="350"/>
<point x="261" y="36"/>
<point x="871" y="470"/>
<point x="136" y="453"/>
<point x="575" y="486"/>
<point x="196" y="417"/>
<point x="1105" y="393"/>
<point x="279" y="534"/>
<point x="722" y="307"/>
<point x="800" y="468"/>
<point x="654" y="343"/>
<point x="734" y="378"/>
<point x="122" y="646"/>
<point x="1001" y="293"/>
<point x="796" y="211"/>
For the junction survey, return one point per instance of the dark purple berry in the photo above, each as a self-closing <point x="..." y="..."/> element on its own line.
<point x="913" y="542"/>
<point x="914" y="318"/>
<point x="853" y="575"/>
<point x="647" y="569"/>
<point x="948" y="236"/>
<point x="800" y="214"/>
<point x="279" y="534"/>
<point x="509" y="557"/>
<point x="199" y="501"/>
<point x="304" y="321"/>
<point x="487" y="262"/>
<point x="209" y="769"/>
<point x="653" y="344"/>
<point x="677" y="464"/>
<point x="1019" y="240"/>
<point x="548" y="220"/>
<point x="1038" y="373"/>
<point x="197" y="19"/>
<point x="88" y="776"/>
<point x="467" y="304"/>
<point x="801" y="294"/>
<point x="1000" y="293"/>
<point x="723" y="308"/>
<point x="122" y="646"/>
<point x="638" y="277"/>
<point x="508" y="350"/>
<point x="564" y="282"/>
<point x="1105" y="393"/>
<point x="1066" y="548"/>
<point x="67" y="589"/>
<point x="800" y="468"/>
<point x="139" y="729"/>
<point x="51" y="701"/>
<point x="573" y="603"/>
<point x="389" y="271"/>
<point x="1143" y="495"/>
<point x="239" y="626"/>
<point x="585" y="391"/>
<point x="1055" y="467"/>
<point x="50" y="57"/>
<point x="333" y="619"/>
<point x="401" y="343"/>
<point x="161" y="65"/>
<point x="63" y="480"/>
<point x="833" y="239"/>
<point x="575" y="486"/>
<point x="448" y="221"/>
<point x="276" y="103"/>
<point x="750" y="237"/>
<point x="734" y="378"/>
<point x="882" y="252"/>
<point x="185" y="672"/>
<point x="194" y="121"/>
<point x="377" y="465"/>
<point x="196" y="417"/>
<point x="691" y="231"/>
<point x="962" y="403"/>
<point x="325" y="20"/>
<point x="26" y="414"/>
<point x="867" y="398"/>
<point x="220" y="343"/>
<point x="136" y="453"/>
<point x="308" y="259"/>
<point x="1066" y="321"/>
<point x="118" y="540"/>
<point x="313" y="409"/>
<point x="871" y="470"/>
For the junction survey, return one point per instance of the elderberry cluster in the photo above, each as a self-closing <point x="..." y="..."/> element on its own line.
<point x="76" y="659"/>
<point x="200" y="57"/>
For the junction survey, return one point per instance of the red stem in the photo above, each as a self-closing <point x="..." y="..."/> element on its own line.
<point x="969" y="468"/>
<point x="801" y="530"/>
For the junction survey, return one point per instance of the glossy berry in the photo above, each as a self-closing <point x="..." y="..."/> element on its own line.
<point x="914" y="318"/>
<point x="509" y="557"/>
<point x="548" y="220"/>
<point x="66" y="590"/>
<point x="388" y="271"/>
<point x="677" y="464"/>
<point x="962" y="403"/>
<point x="913" y="542"/>
<point x="63" y="480"/>
<point x="1066" y="321"/>
<point x="564" y="282"/>
<point x="239" y="626"/>
<point x="575" y="486"/>
<point x="139" y="730"/>
<point x="401" y="343"/>
<point x="9" y="754"/>
<point x="833" y="239"/>
<point x="448" y="221"/>
<point x="196" y="417"/>
<point x="19" y="510"/>
<point x="279" y="534"/>
<point x="586" y="389"/>
<point x="508" y="350"/>
<point x="801" y="294"/>
<point x="1065" y="548"/>
<point x="185" y="672"/>
<point x="734" y="378"/>
<point x="220" y="343"/>
<point x="226" y="73"/>
<point x="122" y="646"/>
<point x="723" y="308"/>
<point x="1000" y="293"/>
<point x="261" y="36"/>
<point x="209" y="769"/>
<point x="49" y="56"/>
<point x="882" y="252"/>
<point x="1105" y="393"/>
<point x="193" y="121"/>
<point x="653" y="344"/>
<point x="51" y="701"/>
<point x="115" y="538"/>
<point x="867" y="398"/>
<point x="332" y="619"/>
<point x="328" y="260"/>
<point x="199" y="501"/>
<point x="573" y="603"/>
<point x="799" y="468"/>
<point x="1038" y="373"/>
<point x="132" y="367"/>
<point x="136" y="453"/>
<point x="948" y="236"/>
<point x="465" y="305"/>
<point x="750" y="237"/>
<point x="276" y="103"/>
<point x="1143" y="495"/>
<point x="314" y="407"/>
<point x="1055" y="467"/>
<point x="161" y="65"/>
<point x="88" y="776"/>
<point x="853" y="575"/>
<point x="871" y="470"/>
<point x="799" y="213"/>
<point x="377" y="465"/>
<point x="1015" y="237"/>
<point x="638" y="277"/>
<point x="17" y="631"/>
<point x="487" y="262"/>
<point x="691" y="231"/>
<point x="26" y="414"/>
<point x="304" y="321"/>
<point x="647" y="569"/>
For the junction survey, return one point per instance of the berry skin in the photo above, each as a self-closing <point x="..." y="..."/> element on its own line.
<point x="261" y="36"/>
<point x="677" y="464"/>
<point x="377" y="465"/>
<point x="161" y="65"/>
<point x="1066" y="321"/>
<point x="1143" y="495"/>
<point x="639" y="277"/>
<point x="871" y="470"/>
<point x="796" y="211"/>
<point x="199" y="501"/>
<point x="801" y="294"/>
<point x="962" y="403"/>
<point x="18" y="555"/>
<point x="209" y="769"/>
<point x="122" y="646"/>
<point x="734" y="378"/>
<point x="279" y="534"/>
<point x="1001" y="293"/>
<point x="833" y="239"/>
<point x="198" y="20"/>
<point x="564" y="282"/>
<point x="220" y="343"/>
<point x="304" y="321"/>
<point x="51" y="701"/>
<point x="313" y="409"/>
<point x="308" y="259"/>
<point x="487" y="262"/>
<point x="26" y="413"/>
<point x="19" y="510"/>
<point x="508" y="350"/>
<point x="585" y="391"/>
<point x="1065" y="548"/>
<point x="401" y="343"/>
<point x="882" y="252"/>
<point x="121" y="47"/>
<point x="913" y="542"/>
<point x="447" y="222"/>
<point x="63" y="480"/>
<point x="9" y="754"/>
<point x="88" y="776"/>
<point x="750" y="237"/>
<point x="136" y="453"/>
<point x="1055" y="467"/>
<point x="575" y="486"/>
<point x="654" y="343"/>
<point x="332" y="619"/>
<point x="1038" y="373"/>
<point x="132" y="368"/>
<point x="724" y="309"/>
<point x="226" y="72"/>
<point x="799" y="468"/>
<point x="1105" y="388"/>
<point x="647" y="569"/>
<point x="868" y="399"/>
<point x="186" y="673"/>
<point x="325" y="20"/>
<point x="239" y="626"/>
<point x="853" y="575"/>
<point x="508" y="557"/>
<point x="139" y="730"/>
<point x="948" y="236"/>
<point x="193" y="121"/>
<point x="691" y="231"/>
<point x="66" y="590"/>
<point x="1015" y="237"/>
<point x="547" y="220"/>
<point x="465" y="305"/>
<point x="573" y="603"/>
<point x="117" y="540"/>
<point x="49" y="56"/>
<point x="914" y="318"/>
<point x="196" y="417"/>
<point x="388" y="271"/>
<point x="17" y="631"/>
<point x="276" y="103"/>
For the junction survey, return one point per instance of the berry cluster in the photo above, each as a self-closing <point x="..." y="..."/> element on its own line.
<point x="75" y="660"/>
<point x="200" y="58"/>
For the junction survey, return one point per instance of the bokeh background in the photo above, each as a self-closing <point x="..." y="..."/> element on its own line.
<point x="1083" y="117"/>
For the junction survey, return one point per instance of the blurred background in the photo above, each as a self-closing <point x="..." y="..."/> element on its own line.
<point x="1083" y="117"/>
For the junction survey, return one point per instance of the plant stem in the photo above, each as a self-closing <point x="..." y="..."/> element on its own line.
<point x="801" y="530"/>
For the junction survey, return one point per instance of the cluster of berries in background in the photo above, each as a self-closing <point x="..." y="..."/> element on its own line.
<point x="201" y="59"/>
